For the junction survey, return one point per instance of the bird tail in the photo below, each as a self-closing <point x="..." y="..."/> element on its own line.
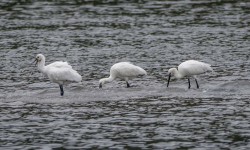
<point x="209" y="68"/>
<point x="142" y="71"/>
<point x="77" y="76"/>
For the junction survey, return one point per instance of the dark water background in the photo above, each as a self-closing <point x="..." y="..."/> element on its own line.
<point x="156" y="35"/>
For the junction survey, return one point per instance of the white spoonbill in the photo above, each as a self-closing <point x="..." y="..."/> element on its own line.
<point x="58" y="72"/>
<point x="189" y="69"/>
<point x="124" y="71"/>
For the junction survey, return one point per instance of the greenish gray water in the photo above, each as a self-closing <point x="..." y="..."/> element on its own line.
<point x="156" y="35"/>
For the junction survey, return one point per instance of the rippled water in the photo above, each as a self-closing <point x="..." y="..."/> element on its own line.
<point x="156" y="35"/>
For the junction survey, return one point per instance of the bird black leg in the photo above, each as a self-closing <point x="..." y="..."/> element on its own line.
<point x="169" y="76"/>
<point x="127" y="84"/>
<point x="197" y="83"/>
<point x="189" y="85"/>
<point x="61" y="89"/>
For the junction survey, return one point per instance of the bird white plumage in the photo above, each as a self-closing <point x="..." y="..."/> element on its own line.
<point x="124" y="71"/>
<point x="189" y="68"/>
<point x="58" y="72"/>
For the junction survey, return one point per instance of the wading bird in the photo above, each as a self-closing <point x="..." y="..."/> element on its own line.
<point x="124" y="71"/>
<point x="189" y="69"/>
<point x="58" y="72"/>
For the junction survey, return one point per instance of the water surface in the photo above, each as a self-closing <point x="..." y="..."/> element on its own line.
<point x="156" y="35"/>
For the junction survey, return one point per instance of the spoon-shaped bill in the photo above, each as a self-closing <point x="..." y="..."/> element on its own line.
<point x="36" y="60"/>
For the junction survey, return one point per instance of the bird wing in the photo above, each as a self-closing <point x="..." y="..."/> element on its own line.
<point x="127" y="69"/>
<point x="192" y="67"/>
<point x="59" y="64"/>
<point x="63" y="74"/>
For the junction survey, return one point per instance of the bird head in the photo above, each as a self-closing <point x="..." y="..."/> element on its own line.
<point x="171" y="72"/>
<point x="101" y="82"/>
<point x="39" y="58"/>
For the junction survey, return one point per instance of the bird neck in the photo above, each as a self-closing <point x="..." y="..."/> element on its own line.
<point x="41" y="66"/>
<point x="109" y="79"/>
<point x="177" y="74"/>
